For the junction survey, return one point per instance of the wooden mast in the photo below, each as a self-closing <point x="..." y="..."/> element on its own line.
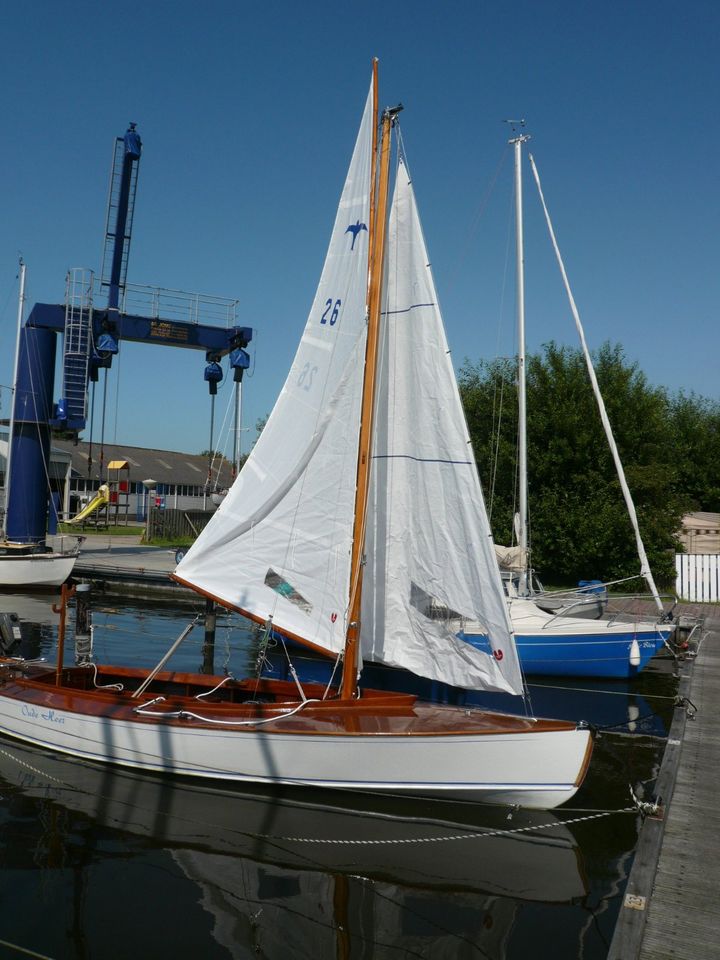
<point x="373" y="172"/>
<point x="378" y="219"/>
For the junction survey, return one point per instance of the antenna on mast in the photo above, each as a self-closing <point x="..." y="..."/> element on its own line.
<point x="521" y="137"/>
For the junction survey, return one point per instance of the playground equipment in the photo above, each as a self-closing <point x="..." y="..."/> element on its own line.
<point x="100" y="500"/>
<point x="91" y="337"/>
<point x="119" y="490"/>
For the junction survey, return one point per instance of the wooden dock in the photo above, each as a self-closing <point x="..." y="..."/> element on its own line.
<point x="124" y="565"/>
<point x="671" y="906"/>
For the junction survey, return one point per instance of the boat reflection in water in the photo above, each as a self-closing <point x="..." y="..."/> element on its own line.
<point x="190" y="870"/>
<point x="280" y="876"/>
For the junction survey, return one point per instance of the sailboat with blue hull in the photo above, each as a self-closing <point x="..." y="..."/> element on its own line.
<point x="561" y="642"/>
<point x="554" y="645"/>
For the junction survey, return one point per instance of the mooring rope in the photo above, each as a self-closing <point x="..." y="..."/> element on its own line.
<point x="28" y="953"/>
<point x="612" y="693"/>
<point x="28" y="766"/>
<point x="481" y="835"/>
<point x="688" y="705"/>
<point x="642" y="807"/>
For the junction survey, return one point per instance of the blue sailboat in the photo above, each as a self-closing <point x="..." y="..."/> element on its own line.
<point x="563" y="641"/>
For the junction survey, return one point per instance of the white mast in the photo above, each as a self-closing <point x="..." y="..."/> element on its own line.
<point x="11" y="428"/>
<point x="522" y="403"/>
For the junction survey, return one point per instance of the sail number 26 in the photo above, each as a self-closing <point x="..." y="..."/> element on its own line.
<point x="331" y="311"/>
<point x="329" y="316"/>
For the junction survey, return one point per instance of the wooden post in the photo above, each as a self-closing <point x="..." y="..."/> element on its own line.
<point x="208" y="664"/>
<point x="65" y="593"/>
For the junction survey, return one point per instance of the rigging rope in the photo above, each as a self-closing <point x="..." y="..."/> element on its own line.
<point x="102" y="429"/>
<point x="189" y="715"/>
<point x="644" y="563"/>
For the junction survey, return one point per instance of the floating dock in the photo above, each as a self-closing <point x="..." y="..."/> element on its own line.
<point x="132" y="568"/>
<point x="671" y="907"/>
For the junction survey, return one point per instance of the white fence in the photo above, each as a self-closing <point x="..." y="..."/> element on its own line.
<point x="698" y="577"/>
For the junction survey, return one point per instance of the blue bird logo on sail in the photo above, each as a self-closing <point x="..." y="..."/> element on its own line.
<point x="355" y="229"/>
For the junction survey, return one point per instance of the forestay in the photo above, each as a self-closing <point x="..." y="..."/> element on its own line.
<point x="645" y="570"/>
<point x="429" y="549"/>
<point x="279" y="544"/>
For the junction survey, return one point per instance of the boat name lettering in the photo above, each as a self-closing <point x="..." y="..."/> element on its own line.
<point x="330" y="314"/>
<point x="163" y="330"/>
<point x="49" y="716"/>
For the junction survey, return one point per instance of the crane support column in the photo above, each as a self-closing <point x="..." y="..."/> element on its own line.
<point x="27" y="509"/>
<point x="131" y="147"/>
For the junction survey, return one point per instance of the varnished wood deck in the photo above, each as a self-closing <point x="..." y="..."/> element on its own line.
<point x="671" y="907"/>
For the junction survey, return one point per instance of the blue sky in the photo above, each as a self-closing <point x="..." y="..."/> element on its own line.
<point x="248" y="113"/>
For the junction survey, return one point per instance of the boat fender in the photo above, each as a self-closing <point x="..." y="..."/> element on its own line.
<point x="634" y="653"/>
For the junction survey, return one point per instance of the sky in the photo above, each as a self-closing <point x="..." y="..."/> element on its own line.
<point x="248" y="113"/>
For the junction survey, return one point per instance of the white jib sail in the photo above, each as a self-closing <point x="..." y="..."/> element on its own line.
<point x="279" y="544"/>
<point x="430" y="557"/>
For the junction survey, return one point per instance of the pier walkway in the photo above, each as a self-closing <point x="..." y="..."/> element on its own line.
<point x="671" y="907"/>
<point x="127" y="563"/>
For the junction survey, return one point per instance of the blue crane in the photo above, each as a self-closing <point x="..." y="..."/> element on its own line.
<point x="91" y="338"/>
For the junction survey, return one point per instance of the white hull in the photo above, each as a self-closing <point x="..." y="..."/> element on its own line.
<point x="533" y="769"/>
<point x="585" y="608"/>
<point x="527" y="617"/>
<point x="36" y="570"/>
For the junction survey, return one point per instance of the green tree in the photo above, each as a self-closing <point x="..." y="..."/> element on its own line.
<point x="579" y="526"/>
<point x="695" y="443"/>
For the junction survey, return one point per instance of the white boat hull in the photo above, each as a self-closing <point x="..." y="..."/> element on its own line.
<point x="36" y="570"/>
<point x="316" y="748"/>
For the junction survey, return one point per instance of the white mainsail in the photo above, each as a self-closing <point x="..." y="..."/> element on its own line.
<point x="279" y="544"/>
<point x="430" y="558"/>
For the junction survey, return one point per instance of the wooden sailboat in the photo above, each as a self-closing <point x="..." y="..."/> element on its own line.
<point x="348" y="530"/>
<point x="26" y="563"/>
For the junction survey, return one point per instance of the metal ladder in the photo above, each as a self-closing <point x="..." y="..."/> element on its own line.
<point x="77" y="341"/>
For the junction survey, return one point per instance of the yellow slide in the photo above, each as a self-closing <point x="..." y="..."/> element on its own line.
<point x="99" y="500"/>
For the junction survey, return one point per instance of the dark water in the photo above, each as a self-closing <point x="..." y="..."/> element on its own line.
<point x="105" y="864"/>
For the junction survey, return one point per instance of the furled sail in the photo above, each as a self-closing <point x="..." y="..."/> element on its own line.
<point x="279" y="544"/>
<point x="430" y="558"/>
